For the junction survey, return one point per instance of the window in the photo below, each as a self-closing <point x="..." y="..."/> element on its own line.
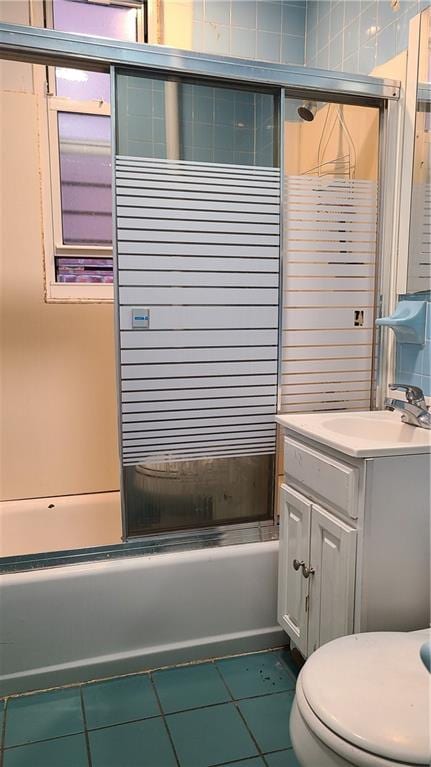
<point x="79" y="250"/>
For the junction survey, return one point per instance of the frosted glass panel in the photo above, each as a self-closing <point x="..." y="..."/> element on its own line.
<point x="330" y="253"/>
<point x="85" y="174"/>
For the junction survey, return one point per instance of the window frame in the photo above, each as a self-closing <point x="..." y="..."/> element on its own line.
<point x="54" y="245"/>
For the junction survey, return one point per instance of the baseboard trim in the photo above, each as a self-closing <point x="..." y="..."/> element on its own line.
<point x="144" y="659"/>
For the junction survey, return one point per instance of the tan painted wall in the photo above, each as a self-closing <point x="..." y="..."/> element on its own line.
<point x="15" y="76"/>
<point x="58" y="402"/>
<point x="176" y="24"/>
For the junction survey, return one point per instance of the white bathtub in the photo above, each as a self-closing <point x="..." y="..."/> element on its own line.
<point x="54" y="524"/>
<point x="79" y="622"/>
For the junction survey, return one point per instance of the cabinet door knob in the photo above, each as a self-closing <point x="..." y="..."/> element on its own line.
<point x="307" y="571"/>
<point x="297" y="564"/>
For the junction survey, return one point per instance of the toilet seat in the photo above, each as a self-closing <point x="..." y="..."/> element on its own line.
<point x="328" y="748"/>
<point x="365" y="697"/>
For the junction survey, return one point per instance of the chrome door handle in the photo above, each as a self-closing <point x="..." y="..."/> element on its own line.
<point x="297" y="564"/>
<point x="307" y="571"/>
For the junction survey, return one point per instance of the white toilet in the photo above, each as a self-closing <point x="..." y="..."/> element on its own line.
<point x="364" y="700"/>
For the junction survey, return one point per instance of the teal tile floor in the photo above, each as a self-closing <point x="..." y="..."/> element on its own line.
<point x="232" y="712"/>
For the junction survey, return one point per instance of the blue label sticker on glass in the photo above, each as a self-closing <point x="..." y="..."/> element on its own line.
<point x="140" y="318"/>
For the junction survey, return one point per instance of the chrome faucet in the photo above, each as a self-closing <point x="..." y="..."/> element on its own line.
<point x="414" y="408"/>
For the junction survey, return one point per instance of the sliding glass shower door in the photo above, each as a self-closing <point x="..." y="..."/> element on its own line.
<point x="197" y="205"/>
<point x="330" y="255"/>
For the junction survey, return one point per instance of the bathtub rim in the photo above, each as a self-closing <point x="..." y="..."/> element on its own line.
<point x="162" y="543"/>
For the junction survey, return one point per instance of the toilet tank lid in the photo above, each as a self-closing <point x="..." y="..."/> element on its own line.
<point x="374" y="691"/>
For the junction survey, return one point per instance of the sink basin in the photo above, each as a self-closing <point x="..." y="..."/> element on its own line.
<point x="360" y="434"/>
<point x="375" y="429"/>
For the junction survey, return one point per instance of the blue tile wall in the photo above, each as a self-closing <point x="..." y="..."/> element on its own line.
<point x="141" y="127"/>
<point x="413" y="362"/>
<point x="223" y="125"/>
<point x="220" y="126"/>
<point x="356" y="35"/>
<point x="272" y="30"/>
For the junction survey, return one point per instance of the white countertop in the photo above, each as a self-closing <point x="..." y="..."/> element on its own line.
<point x="360" y="434"/>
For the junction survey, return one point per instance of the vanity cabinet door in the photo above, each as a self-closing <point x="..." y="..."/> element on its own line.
<point x="295" y="517"/>
<point x="333" y="559"/>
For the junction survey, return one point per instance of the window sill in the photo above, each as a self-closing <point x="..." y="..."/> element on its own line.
<point x="80" y="293"/>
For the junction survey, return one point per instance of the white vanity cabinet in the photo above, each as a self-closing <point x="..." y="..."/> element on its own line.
<point x="354" y="543"/>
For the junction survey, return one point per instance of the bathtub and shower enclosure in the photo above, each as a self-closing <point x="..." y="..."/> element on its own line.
<point x="246" y="282"/>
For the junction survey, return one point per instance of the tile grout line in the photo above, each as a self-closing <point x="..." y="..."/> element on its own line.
<point x="259" y="751"/>
<point x="239" y="761"/>
<point x="154" y="688"/>
<point x="3" y="732"/>
<point x="287" y="667"/>
<point x="259" y="756"/>
<point x="43" y="740"/>
<point x="250" y="758"/>
<point x="86" y="735"/>
<point x="236" y="702"/>
<point x="72" y="734"/>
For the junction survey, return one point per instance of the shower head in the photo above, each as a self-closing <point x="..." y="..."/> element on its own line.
<point x="307" y="110"/>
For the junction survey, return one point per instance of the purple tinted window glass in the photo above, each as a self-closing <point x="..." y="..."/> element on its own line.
<point x="90" y="19"/>
<point x="71" y="269"/>
<point x="85" y="177"/>
<point x="82" y="86"/>
<point x="118" y="23"/>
